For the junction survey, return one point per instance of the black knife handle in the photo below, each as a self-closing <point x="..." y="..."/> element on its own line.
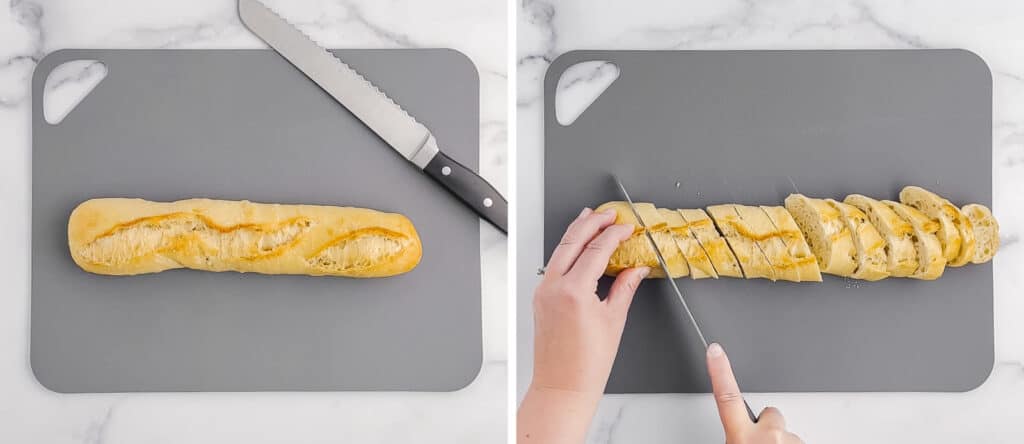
<point x="470" y="188"/>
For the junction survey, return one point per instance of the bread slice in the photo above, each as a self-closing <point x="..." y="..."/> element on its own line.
<point x="636" y="251"/>
<point x="755" y="225"/>
<point x="714" y="245"/>
<point x="897" y="233"/>
<point x="871" y="258"/>
<point x="986" y="232"/>
<point x="826" y="233"/>
<point x="696" y="258"/>
<point x="955" y="231"/>
<point x="931" y="261"/>
<point x="794" y="239"/>
<point x="753" y="261"/>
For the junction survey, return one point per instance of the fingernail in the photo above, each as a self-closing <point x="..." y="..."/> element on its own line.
<point x="609" y="212"/>
<point x="715" y="350"/>
<point x="644" y="272"/>
<point x="586" y="211"/>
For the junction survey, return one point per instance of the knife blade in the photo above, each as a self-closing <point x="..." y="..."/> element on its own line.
<point x="376" y="110"/>
<point x="664" y="268"/>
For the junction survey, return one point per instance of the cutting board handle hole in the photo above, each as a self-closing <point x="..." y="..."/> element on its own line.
<point x="67" y="85"/>
<point x="580" y="85"/>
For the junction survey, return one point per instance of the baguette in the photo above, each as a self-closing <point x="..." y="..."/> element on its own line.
<point x="931" y="261"/>
<point x="986" y="231"/>
<point x="955" y="231"/>
<point x="898" y="234"/>
<point x="714" y="245"/>
<point x="752" y="260"/>
<point x="794" y="239"/>
<point x="696" y="258"/>
<point x="872" y="262"/>
<point x="756" y="225"/>
<point x="135" y="236"/>
<point x="636" y="251"/>
<point x="826" y="233"/>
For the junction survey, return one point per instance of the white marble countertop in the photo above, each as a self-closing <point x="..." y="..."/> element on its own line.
<point x="992" y="28"/>
<point x="29" y="413"/>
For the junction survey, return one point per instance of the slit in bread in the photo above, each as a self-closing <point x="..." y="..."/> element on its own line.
<point x="714" y="245"/>
<point x="135" y="236"/>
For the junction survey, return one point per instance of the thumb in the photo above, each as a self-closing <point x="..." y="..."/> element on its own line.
<point x="620" y="295"/>
<point x="731" y="408"/>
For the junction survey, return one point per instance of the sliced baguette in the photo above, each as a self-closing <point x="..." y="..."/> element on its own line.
<point x="955" y="231"/>
<point x="794" y="239"/>
<point x="898" y="234"/>
<point x="872" y="262"/>
<point x="636" y="251"/>
<point x="931" y="261"/>
<point x="714" y="245"/>
<point x="986" y="232"/>
<point x="755" y="225"/>
<point x="696" y="258"/>
<point x="826" y="233"/>
<point x="753" y="261"/>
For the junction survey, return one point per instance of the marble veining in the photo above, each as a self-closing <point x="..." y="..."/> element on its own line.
<point x="29" y="29"/>
<point x="990" y="28"/>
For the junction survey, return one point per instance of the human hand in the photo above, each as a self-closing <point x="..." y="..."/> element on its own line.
<point x="576" y="334"/>
<point x="770" y="427"/>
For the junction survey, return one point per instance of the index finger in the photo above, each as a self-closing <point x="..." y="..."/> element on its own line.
<point x="731" y="408"/>
<point x="594" y="259"/>
<point x="580" y="232"/>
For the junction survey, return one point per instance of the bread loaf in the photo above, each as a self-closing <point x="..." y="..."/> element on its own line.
<point x="135" y="236"/>
<point x="860" y="238"/>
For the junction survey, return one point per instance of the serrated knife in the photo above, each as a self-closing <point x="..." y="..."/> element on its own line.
<point x="664" y="268"/>
<point x="376" y="110"/>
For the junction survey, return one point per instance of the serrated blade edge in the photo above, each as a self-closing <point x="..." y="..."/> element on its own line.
<point x="363" y="99"/>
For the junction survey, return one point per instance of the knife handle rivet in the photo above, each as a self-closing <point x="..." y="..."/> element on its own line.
<point x="488" y="202"/>
<point x="445" y="171"/>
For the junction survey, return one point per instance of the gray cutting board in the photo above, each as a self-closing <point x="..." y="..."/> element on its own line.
<point x="731" y="126"/>
<point x="244" y="124"/>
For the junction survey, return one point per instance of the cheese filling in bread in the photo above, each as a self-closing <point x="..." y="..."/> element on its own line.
<point x="134" y="236"/>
